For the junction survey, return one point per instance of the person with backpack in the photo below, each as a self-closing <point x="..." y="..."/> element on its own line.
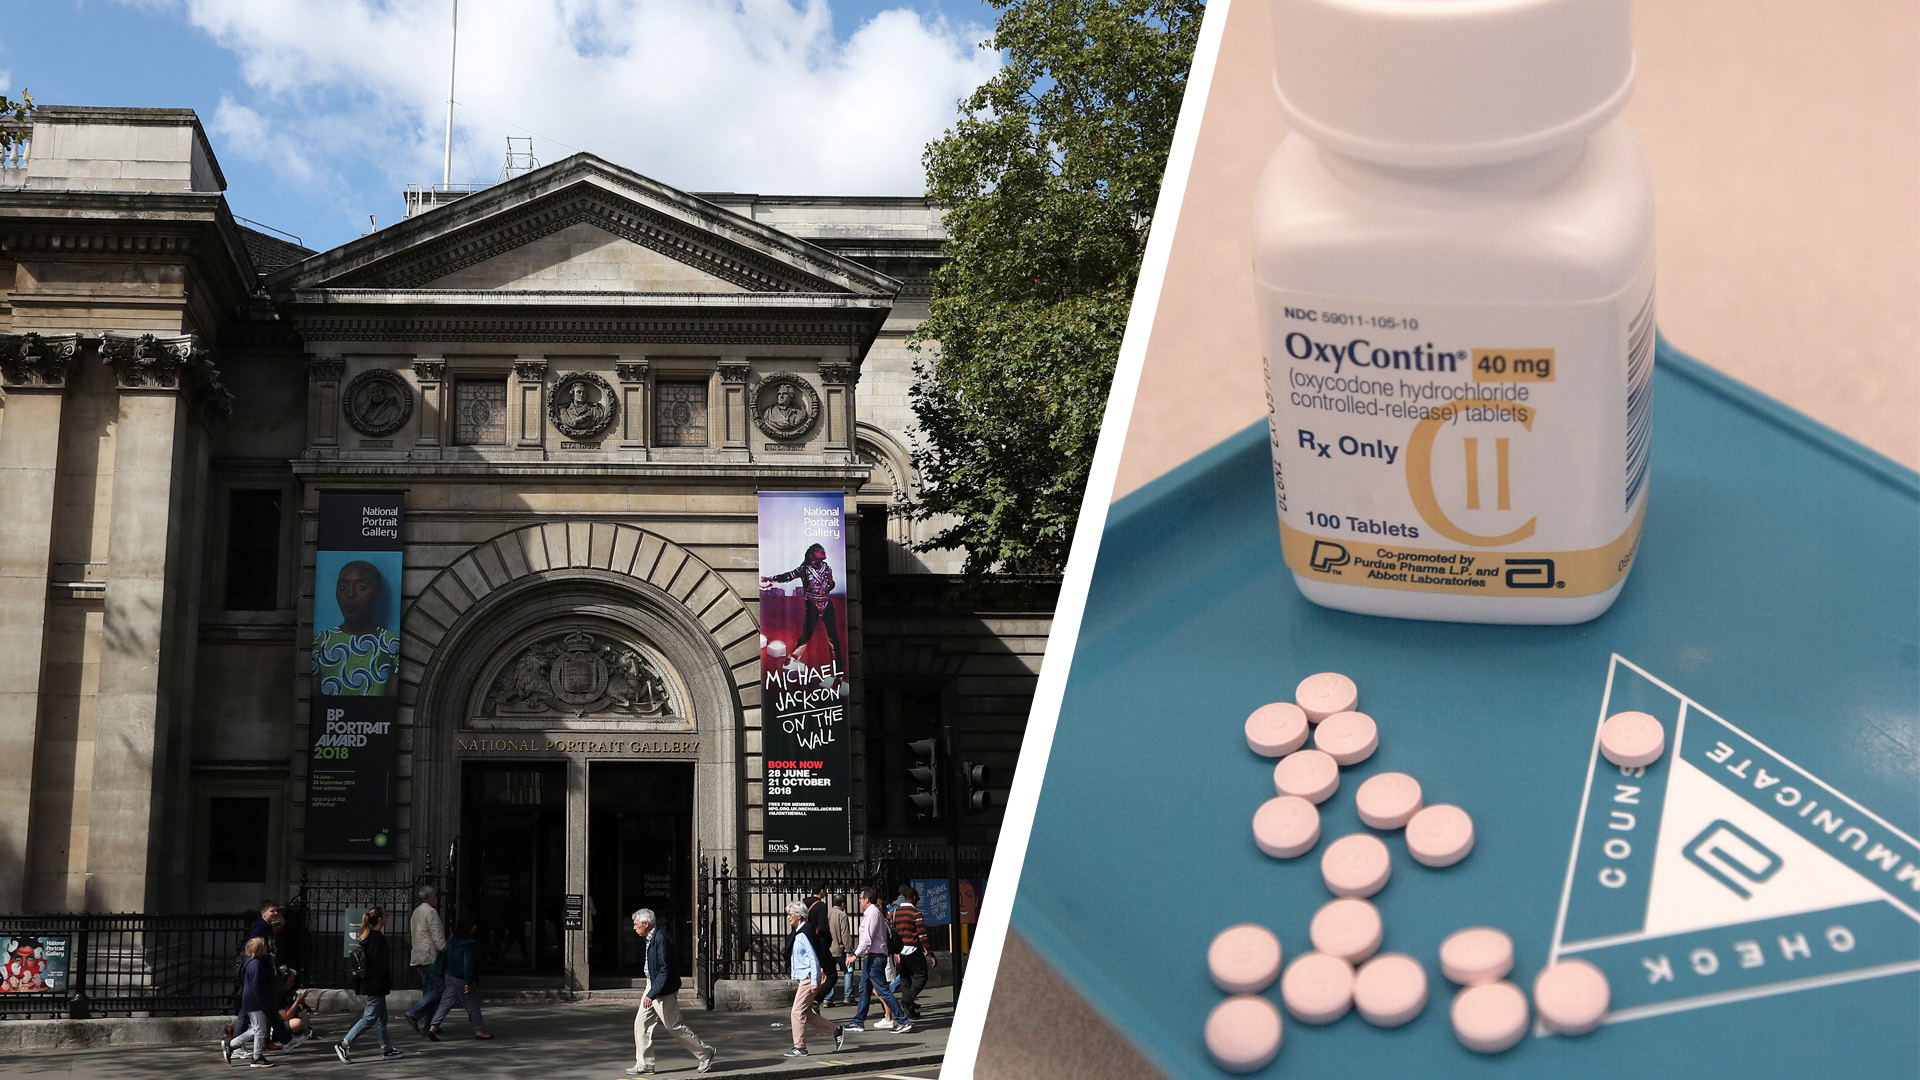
<point x="463" y="971"/>
<point x="872" y="954"/>
<point x="373" y="978"/>
<point x="258" y="1001"/>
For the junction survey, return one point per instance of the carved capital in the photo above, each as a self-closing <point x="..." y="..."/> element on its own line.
<point x="327" y="368"/>
<point x="530" y="370"/>
<point x="631" y="371"/>
<point x="734" y="372"/>
<point x="838" y="374"/>
<point x="148" y="362"/>
<point x="430" y="370"/>
<point x="36" y="360"/>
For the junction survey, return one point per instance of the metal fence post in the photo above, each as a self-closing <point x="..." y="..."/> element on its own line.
<point x="77" y="971"/>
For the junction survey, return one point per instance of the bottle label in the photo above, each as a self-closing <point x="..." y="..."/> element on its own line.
<point x="1480" y="450"/>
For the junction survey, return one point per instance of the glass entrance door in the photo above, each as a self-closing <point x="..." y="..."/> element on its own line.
<point x="513" y="872"/>
<point x="639" y="854"/>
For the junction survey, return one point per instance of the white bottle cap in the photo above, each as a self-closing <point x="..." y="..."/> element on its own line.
<point x="1450" y="83"/>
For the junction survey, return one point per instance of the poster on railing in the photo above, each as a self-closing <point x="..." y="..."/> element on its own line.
<point x="34" y="964"/>
<point x="356" y="677"/>
<point x="804" y="685"/>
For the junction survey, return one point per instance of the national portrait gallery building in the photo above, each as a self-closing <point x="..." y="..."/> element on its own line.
<point x="480" y="546"/>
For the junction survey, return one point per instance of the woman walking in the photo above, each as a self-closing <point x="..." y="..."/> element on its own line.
<point x="375" y="980"/>
<point x="463" y="973"/>
<point x="258" y="1001"/>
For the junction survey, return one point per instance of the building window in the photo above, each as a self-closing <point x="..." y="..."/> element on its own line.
<point x="479" y="411"/>
<point x="237" y="841"/>
<point x="873" y="539"/>
<point x="680" y="414"/>
<point x="253" y="550"/>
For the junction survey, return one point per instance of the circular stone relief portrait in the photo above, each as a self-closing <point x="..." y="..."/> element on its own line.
<point x="786" y="406"/>
<point x="377" y="402"/>
<point x="582" y="405"/>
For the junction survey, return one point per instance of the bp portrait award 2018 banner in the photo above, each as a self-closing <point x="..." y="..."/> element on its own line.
<point x="804" y="685"/>
<point x="356" y="676"/>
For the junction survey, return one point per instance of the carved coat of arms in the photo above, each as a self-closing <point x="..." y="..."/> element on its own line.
<point x="579" y="674"/>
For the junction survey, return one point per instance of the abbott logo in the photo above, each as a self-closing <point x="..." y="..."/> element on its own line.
<point x="1732" y="857"/>
<point x="1327" y="555"/>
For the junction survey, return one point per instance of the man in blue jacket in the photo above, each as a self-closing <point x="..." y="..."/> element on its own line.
<point x="660" y="1007"/>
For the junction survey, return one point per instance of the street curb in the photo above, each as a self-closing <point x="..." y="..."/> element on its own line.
<point x="19" y="1035"/>
<point x="839" y="1066"/>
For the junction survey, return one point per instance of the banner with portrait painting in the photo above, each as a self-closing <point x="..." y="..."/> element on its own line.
<point x="804" y="687"/>
<point x="356" y="677"/>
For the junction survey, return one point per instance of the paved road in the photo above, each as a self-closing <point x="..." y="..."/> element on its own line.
<point x="592" y="1039"/>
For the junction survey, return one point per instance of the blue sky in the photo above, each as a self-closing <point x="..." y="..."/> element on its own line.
<point x="321" y="111"/>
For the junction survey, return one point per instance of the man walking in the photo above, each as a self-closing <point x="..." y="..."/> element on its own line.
<point x="871" y="952"/>
<point x="428" y="933"/>
<point x="660" y="1007"/>
<point x="819" y="926"/>
<point x="809" y="979"/>
<point x="840" y="929"/>
<point x="915" y="960"/>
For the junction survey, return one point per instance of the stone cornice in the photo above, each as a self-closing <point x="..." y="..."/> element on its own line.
<point x="190" y="225"/>
<point x="148" y="362"/>
<point x="34" y="360"/>
<point x="850" y="327"/>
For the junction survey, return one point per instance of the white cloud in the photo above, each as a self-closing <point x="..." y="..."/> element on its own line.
<point x="753" y="95"/>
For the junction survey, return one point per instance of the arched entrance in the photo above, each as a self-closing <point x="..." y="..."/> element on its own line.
<point x="577" y="693"/>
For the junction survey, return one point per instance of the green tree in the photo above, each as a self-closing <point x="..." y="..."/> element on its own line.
<point x="13" y="113"/>
<point x="1048" y="181"/>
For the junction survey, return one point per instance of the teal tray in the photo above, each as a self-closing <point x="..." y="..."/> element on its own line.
<point x="1771" y="620"/>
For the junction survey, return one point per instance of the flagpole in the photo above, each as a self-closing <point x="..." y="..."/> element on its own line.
<point x="446" y="165"/>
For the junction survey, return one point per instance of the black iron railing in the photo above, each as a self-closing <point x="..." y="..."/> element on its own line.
<point x="122" y="965"/>
<point x="742" y="917"/>
<point x="325" y="909"/>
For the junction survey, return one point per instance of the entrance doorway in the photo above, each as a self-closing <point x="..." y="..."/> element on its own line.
<point x="639" y="854"/>
<point x="513" y="867"/>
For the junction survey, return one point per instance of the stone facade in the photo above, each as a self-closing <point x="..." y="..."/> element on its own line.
<point x="579" y="377"/>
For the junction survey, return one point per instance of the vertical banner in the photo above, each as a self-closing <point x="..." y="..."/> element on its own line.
<point x="356" y="677"/>
<point x="804" y="685"/>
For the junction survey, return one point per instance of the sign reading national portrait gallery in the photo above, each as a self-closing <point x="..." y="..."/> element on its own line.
<point x="356" y="677"/>
<point x="803" y="675"/>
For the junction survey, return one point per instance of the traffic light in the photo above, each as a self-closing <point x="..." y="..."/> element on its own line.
<point x="925" y="774"/>
<point x="974" y="796"/>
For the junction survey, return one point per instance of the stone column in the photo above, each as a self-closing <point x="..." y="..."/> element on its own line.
<point x="838" y="406"/>
<point x="575" y="941"/>
<point x="34" y="371"/>
<point x="634" y="412"/>
<point x="146" y="550"/>
<point x="734" y="423"/>
<point x="432" y="376"/>
<point x="528" y="416"/>
<point x="323" y="399"/>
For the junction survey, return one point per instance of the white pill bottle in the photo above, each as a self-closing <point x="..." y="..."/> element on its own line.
<point x="1453" y="261"/>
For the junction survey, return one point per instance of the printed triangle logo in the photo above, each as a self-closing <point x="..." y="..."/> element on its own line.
<point x="1723" y="871"/>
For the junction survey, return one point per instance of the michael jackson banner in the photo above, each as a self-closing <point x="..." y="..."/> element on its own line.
<point x="803" y="676"/>
<point x="356" y="677"/>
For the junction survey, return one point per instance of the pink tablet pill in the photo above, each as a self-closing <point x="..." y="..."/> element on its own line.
<point x="1356" y="865"/>
<point x="1286" y="826"/>
<point x="1490" y="1017"/>
<point x="1388" y="801"/>
<point x="1311" y="774"/>
<point x="1349" y="738"/>
<point x="1244" y="959"/>
<point x="1631" y="739"/>
<point x="1439" y="835"/>
<point x="1324" y="694"/>
<point x="1243" y="1033"/>
<point x="1390" y="990"/>
<point x="1277" y="729"/>
<point x="1348" y="928"/>
<point x="1317" y="988"/>
<point x="1476" y="955"/>
<point x="1571" y="997"/>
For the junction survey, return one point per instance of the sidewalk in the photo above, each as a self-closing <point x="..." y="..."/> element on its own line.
<point x="581" y="1039"/>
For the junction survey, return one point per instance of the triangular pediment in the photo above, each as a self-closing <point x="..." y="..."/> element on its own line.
<point x="582" y="225"/>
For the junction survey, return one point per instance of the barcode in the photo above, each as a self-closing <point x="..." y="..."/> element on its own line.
<point x="1639" y="398"/>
